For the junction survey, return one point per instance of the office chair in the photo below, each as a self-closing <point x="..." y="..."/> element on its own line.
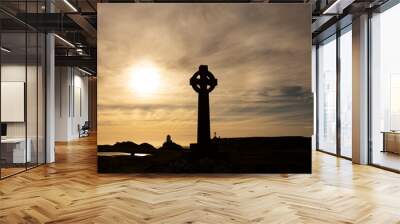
<point x="84" y="130"/>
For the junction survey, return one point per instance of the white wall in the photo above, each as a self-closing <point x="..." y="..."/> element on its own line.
<point x="71" y="102"/>
<point x="16" y="73"/>
<point x="62" y="82"/>
<point x="80" y="110"/>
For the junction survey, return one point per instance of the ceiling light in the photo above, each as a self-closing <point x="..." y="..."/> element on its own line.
<point x="84" y="71"/>
<point x="337" y="7"/>
<point x="64" y="40"/>
<point x="5" y="50"/>
<point x="70" y="5"/>
<point x="79" y="51"/>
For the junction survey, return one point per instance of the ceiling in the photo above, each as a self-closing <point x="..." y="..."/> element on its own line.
<point x="76" y="22"/>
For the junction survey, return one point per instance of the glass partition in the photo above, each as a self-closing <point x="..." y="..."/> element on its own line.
<point x="22" y="94"/>
<point x="13" y="94"/>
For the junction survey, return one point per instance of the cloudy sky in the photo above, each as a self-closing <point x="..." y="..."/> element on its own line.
<point x="260" y="54"/>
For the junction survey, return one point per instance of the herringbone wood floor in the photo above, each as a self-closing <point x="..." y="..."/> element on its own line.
<point x="70" y="191"/>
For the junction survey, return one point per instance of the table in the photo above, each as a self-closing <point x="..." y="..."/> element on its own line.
<point x="13" y="150"/>
<point x="391" y="141"/>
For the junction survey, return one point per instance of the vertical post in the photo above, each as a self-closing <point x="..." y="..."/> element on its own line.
<point x="316" y="99"/>
<point x="203" y="120"/>
<point x="25" y="89"/>
<point x="50" y="92"/>
<point x="0" y="96"/>
<point x="338" y="91"/>
<point x="360" y="140"/>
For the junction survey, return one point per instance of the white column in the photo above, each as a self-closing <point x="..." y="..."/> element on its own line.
<point x="50" y="92"/>
<point x="360" y="90"/>
<point x="50" y="99"/>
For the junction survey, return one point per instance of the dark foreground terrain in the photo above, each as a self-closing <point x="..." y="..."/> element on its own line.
<point x="225" y="155"/>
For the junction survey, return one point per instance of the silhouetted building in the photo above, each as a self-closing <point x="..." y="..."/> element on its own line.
<point x="169" y="144"/>
<point x="169" y="139"/>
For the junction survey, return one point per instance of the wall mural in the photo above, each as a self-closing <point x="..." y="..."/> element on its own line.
<point x="204" y="88"/>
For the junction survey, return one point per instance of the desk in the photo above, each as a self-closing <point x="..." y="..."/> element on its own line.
<point x="15" y="148"/>
<point x="391" y="141"/>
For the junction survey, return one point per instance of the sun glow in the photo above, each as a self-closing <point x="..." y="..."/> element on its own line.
<point x="145" y="79"/>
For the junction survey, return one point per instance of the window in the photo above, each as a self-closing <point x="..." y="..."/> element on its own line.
<point x="346" y="92"/>
<point x="334" y="94"/>
<point x="327" y="95"/>
<point x="385" y="89"/>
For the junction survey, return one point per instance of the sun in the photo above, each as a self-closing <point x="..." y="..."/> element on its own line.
<point x="145" y="79"/>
